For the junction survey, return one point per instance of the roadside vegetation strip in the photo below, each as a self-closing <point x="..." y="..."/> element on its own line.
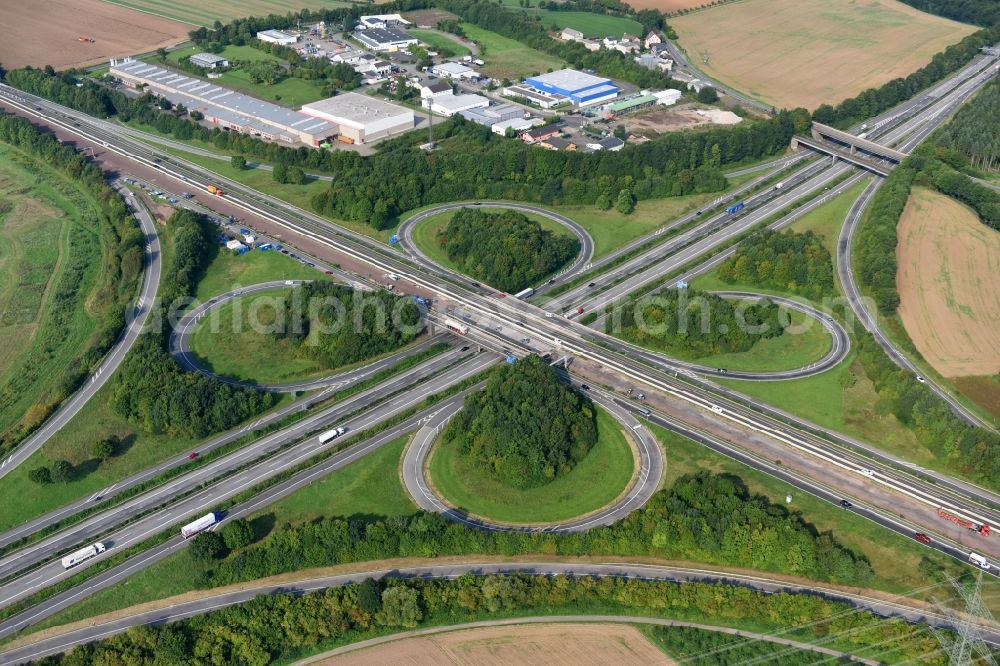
<point x="225" y="449"/>
<point x="427" y="596"/>
<point x="595" y="482"/>
<point x="356" y="438"/>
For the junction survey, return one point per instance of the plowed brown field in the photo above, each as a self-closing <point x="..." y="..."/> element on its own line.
<point x="48" y="32"/>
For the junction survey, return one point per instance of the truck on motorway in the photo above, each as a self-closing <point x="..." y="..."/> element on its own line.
<point x="212" y="189"/>
<point x="779" y="185"/>
<point x="331" y="434"/>
<point x="74" y="559"/>
<point x="199" y="525"/>
<point x="735" y="208"/>
<point x="983" y="529"/>
<point x="524" y="293"/>
<point x="461" y="329"/>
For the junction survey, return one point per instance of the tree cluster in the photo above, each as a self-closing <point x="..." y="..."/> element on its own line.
<point x="693" y="324"/>
<point x="974" y="131"/>
<point x="120" y="270"/>
<point x="789" y="261"/>
<point x="284" y="627"/>
<point x="526" y="427"/>
<point x="150" y="389"/>
<point x="700" y="647"/>
<point x="977" y="12"/>
<point x="704" y="518"/>
<point x="505" y="249"/>
<point x="345" y="325"/>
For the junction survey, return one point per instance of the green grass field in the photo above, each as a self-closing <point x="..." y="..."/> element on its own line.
<point x="229" y="271"/>
<point x="509" y="59"/>
<point x="50" y="255"/>
<point x="235" y="341"/>
<point x="290" y="91"/>
<point x="425" y="234"/>
<point x="370" y="485"/>
<point x="590" y="24"/>
<point x="594" y="483"/>
<point x="445" y="47"/>
<point x="206" y="12"/>
<point x="785" y="352"/>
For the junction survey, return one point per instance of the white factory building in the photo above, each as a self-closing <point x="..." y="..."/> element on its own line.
<point x="360" y="118"/>
<point x="277" y="37"/>
<point x="208" y="60"/>
<point x="222" y="106"/>
<point x="449" y="105"/>
<point x="454" y="70"/>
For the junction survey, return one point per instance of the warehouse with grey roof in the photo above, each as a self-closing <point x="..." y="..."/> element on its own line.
<point x="361" y="118"/>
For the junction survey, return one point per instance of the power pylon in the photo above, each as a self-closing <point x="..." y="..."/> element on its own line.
<point x="966" y="646"/>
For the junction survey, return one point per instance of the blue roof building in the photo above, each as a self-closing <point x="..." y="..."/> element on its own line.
<point x="582" y="88"/>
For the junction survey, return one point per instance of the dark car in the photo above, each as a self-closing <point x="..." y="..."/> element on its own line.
<point x="845" y="504"/>
<point x="192" y="455"/>
<point x="585" y="387"/>
<point x="923" y="538"/>
<point x="465" y="348"/>
<point x="592" y="284"/>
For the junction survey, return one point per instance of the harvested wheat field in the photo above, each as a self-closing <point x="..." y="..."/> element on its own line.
<point x="793" y="53"/>
<point x="545" y="644"/>
<point x="49" y="32"/>
<point x="667" y="6"/>
<point x="947" y="279"/>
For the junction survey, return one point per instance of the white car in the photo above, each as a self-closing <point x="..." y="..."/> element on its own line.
<point x="549" y="315"/>
<point x="921" y="379"/>
<point x="867" y="472"/>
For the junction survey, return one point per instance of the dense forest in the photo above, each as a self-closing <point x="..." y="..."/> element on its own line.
<point x="977" y="12"/>
<point x="150" y="389"/>
<point x="120" y="272"/>
<point x="506" y="249"/>
<point x="526" y="427"/>
<point x="284" y="627"/>
<point x="789" y="261"/>
<point x="701" y="518"/>
<point x="975" y="131"/>
<point x="692" y="324"/>
<point x="342" y="325"/>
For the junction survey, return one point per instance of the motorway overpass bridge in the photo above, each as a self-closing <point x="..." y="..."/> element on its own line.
<point x="854" y="149"/>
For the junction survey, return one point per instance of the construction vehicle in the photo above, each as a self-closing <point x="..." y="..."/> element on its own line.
<point x="212" y="189"/>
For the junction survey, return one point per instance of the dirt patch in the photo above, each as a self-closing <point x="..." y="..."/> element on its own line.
<point x="48" y="32"/>
<point x="948" y="263"/>
<point x="667" y="6"/>
<point x="548" y="644"/>
<point x="819" y="51"/>
<point x="674" y="119"/>
<point x="984" y="391"/>
<point x="429" y="17"/>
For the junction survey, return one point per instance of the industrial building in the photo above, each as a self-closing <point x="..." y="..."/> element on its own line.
<point x="208" y="60"/>
<point x="224" y="107"/>
<point x="491" y="115"/>
<point x="454" y="70"/>
<point x="581" y="88"/>
<point x="382" y="20"/>
<point x="360" y="118"/>
<point x="629" y="105"/>
<point x="277" y="37"/>
<point x="541" y="133"/>
<point x="539" y="99"/>
<point x="516" y="125"/>
<point x="385" y="39"/>
<point x="449" y="105"/>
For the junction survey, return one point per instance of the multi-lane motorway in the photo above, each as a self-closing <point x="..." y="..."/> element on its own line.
<point x="631" y="364"/>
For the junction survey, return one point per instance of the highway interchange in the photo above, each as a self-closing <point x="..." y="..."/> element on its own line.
<point x="560" y="334"/>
